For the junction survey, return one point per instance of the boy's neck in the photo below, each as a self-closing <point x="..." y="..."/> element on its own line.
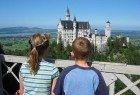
<point x="82" y="63"/>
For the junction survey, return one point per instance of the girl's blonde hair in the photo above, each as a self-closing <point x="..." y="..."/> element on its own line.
<point x="38" y="43"/>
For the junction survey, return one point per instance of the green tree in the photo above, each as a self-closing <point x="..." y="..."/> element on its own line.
<point x="68" y="50"/>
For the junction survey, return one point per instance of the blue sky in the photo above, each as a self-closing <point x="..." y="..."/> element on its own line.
<point x="123" y="14"/>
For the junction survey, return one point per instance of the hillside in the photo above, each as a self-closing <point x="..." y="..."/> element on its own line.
<point x="23" y="31"/>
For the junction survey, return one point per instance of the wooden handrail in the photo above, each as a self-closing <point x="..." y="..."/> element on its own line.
<point x="110" y="71"/>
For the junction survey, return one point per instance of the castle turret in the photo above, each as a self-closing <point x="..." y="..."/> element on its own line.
<point x="108" y="29"/>
<point x="67" y="14"/>
<point x="74" y="28"/>
<point x="74" y="22"/>
<point x="95" y="31"/>
<point x="59" y="33"/>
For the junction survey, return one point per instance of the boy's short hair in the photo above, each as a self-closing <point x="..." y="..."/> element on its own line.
<point x="81" y="48"/>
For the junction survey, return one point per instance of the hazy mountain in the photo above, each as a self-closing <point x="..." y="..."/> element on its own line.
<point x="22" y="30"/>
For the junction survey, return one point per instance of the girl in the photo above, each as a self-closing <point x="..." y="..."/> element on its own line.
<point x="37" y="76"/>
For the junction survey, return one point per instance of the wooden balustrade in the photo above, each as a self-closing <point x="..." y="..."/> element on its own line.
<point x="110" y="71"/>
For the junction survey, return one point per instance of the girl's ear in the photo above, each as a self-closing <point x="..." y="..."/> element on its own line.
<point x="72" y="54"/>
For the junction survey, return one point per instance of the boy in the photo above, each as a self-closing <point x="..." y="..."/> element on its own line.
<point x="80" y="79"/>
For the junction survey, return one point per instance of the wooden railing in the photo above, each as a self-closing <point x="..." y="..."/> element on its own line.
<point x="110" y="71"/>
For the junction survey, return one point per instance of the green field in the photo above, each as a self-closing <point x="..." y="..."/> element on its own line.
<point x="135" y="41"/>
<point x="13" y="45"/>
<point x="19" y="43"/>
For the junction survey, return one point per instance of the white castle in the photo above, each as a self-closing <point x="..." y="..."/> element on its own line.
<point x="68" y="30"/>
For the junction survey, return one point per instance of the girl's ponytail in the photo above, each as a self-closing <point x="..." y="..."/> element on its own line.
<point x="33" y="60"/>
<point x="38" y="43"/>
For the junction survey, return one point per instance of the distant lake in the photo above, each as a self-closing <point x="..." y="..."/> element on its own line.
<point x="126" y="33"/>
<point x="24" y="31"/>
<point x="129" y="33"/>
<point x="27" y="32"/>
<point x="22" y="34"/>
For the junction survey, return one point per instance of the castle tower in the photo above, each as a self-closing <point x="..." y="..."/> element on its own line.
<point x="108" y="29"/>
<point x="95" y="31"/>
<point x="74" y="28"/>
<point x="59" y="34"/>
<point x="67" y="14"/>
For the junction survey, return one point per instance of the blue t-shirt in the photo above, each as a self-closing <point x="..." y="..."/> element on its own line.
<point x="76" y="80"/>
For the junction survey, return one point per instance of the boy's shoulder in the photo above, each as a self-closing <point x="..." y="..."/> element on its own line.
<point x="68" y="69"/>
<point x="96" y="70"/>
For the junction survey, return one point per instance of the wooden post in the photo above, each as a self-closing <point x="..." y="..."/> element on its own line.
<point x="111" y="88"/>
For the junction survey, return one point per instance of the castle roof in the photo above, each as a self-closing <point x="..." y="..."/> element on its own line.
<point x="100" y="35"/>
<point x="108" y="21"/>
<point x="67" y="24"/>
<point x="79" y="25"/>
<point x="83" y="25"/>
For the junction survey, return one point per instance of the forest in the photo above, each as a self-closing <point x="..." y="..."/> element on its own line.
<point x="118" y="50"/>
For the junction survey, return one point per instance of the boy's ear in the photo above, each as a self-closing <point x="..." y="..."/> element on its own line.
<point x="72" y="54"/>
